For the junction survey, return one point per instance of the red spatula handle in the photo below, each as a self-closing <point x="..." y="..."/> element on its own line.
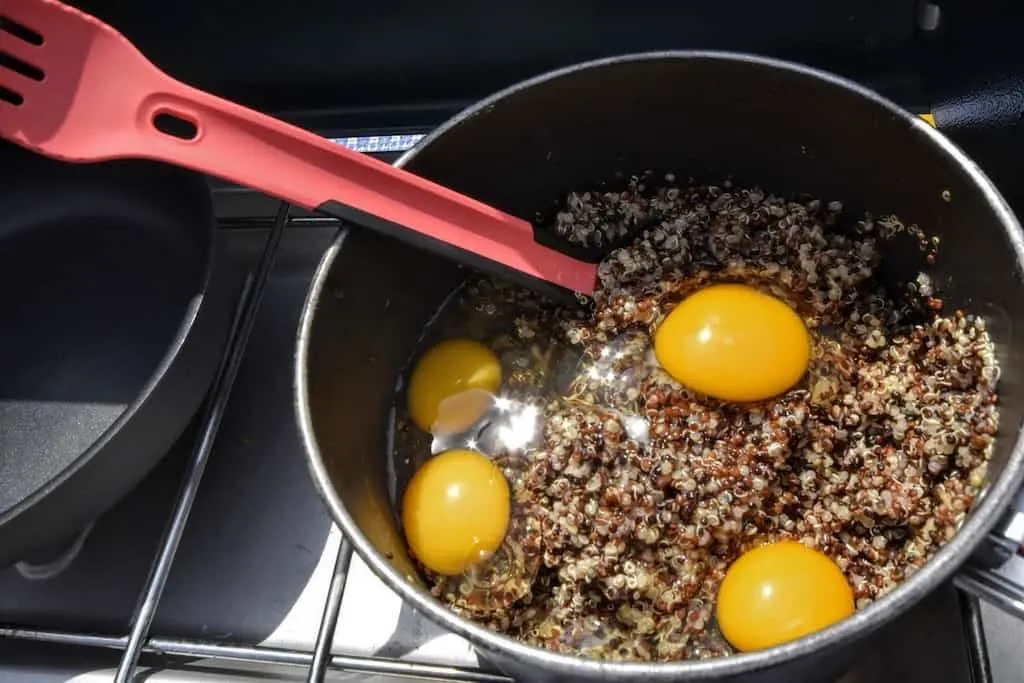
<point x="257" y="151"/>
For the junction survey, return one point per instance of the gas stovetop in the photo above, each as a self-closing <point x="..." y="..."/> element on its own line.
<point x="262" y="586"/>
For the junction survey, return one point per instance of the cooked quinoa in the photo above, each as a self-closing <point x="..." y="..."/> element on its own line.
<point x="621" y="536"/>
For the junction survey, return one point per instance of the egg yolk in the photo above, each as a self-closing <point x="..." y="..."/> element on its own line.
<point x="452" y="386"/>
<point x="455" y="511"/>
<point x="780" y="592"/>
<point x="733" y="343"/>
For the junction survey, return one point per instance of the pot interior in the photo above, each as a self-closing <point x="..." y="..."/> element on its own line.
<point x="703" y="116"/>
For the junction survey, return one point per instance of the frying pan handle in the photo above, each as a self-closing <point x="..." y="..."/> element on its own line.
<point x="996" y="572"/>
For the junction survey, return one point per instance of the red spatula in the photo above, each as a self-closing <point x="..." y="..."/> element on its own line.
<point x="73" y="88"/>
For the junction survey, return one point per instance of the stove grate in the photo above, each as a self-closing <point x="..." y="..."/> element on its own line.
<point x="320" y="660"/>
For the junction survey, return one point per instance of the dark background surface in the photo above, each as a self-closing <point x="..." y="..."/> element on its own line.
<point x="340" y="66"/>
<point x="326" y="53"/>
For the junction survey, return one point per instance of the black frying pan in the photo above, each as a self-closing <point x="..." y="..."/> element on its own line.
<point x="111" y="327"/>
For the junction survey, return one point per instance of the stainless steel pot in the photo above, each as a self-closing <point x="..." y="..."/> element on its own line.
<point x="707" y="114"/>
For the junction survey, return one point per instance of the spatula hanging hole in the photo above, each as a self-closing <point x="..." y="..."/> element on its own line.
<point x="10" y="96"/>
<point x="24" y="68"/>
<point x="175" y="126"/>
<point x="19" y="31"/>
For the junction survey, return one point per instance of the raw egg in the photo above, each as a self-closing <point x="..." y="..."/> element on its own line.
<point x="734" y="343"/>
<point x="780" y="592"/>
<point x="455" y="511"/>
<point x="452" y="386"/>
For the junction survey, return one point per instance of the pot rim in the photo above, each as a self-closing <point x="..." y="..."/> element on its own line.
<point x="994" y="501"/>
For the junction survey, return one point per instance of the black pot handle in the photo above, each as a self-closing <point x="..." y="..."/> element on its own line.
<point x="995" y="573"/>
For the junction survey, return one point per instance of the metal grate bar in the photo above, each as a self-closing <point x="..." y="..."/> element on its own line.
<point x="242" y="327"/>
<point x="974" y="632"/>
<point x="261" y="222"/>
<point x="174" y="647"/>
<point x="329" y="621"/>
<point x="992" y="587"/>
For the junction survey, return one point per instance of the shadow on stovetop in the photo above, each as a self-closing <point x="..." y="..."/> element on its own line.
<point x="398" y="647"/>
<point x="925" y="645"/>
<point x="258" y="529"/>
